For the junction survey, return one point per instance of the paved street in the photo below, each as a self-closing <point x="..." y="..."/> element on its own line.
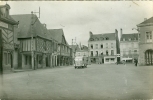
<point x="97" y="82"/>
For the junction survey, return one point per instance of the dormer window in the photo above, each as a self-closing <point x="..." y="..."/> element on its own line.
<point x="7" y="12"/>
<point x="102" y="38"/>
<point x="91" y="39"/>
<point x="96" y="39"/>
<point x="107" y="38"/>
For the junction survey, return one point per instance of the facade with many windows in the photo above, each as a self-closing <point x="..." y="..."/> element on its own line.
<point x="103" y="48"/>
<point x="64" y="52"/>
<point x="146" y="42"/>
<point x="36" y="47"/>
<point x="129" y="47"/>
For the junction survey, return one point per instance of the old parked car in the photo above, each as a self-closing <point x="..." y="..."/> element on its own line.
<point x="80" y="62"/>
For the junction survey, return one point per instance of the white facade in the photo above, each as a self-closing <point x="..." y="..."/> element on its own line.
<point x="106" y="48"/>
<point x="129" y="49"/>
<point x="81" y="53"/>
<point x="102" y="47"/>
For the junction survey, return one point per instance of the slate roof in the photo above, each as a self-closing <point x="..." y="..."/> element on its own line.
<point x="101" y="37"/>
<point x="57" y="34"/>
<point x="8" y="19"/>
<point x="150" y="20"/>
<point x="131" y="36"/>
<point x="25" y="30"/>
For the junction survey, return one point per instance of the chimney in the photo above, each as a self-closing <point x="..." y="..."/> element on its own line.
<point x="90" y="33"/>
<point x="121" y="32"/>
<point x="145" y="19"/>
<point x="116" y="32"/>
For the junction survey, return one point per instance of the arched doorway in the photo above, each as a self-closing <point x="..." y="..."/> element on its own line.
<point x="149" y="57"/>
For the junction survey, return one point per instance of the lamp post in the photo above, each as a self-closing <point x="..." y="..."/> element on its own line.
<point x="137" y="29"/>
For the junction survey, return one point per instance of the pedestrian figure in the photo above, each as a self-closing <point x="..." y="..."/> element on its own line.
<point x="136" y="62"/>
<point x="124" y="62"/>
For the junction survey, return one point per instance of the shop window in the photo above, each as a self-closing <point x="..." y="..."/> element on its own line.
<point x="112" y="59"/>
<point x="107" y="60"/>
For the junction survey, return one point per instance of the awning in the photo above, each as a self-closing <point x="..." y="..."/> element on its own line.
<point x="127" y="58"/>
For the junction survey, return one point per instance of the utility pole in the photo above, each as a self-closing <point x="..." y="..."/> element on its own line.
<point x="32" y="40"/>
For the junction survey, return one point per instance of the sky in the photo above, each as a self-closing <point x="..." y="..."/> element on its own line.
<point x="78" y="18"/>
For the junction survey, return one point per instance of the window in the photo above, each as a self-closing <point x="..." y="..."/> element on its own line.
<point x="91" y="39"/>
<point x="96" y="53"/>
<point x="107" y="52"/>
<point x="135" y="51"/>
<point x="111" y="45"/>
<point x="91" y="46"/>
<point x="112" y="52"/>
<point x="96" y="39"/>
<point x="102" y="53"/>
<point x="106" y="45"/>
<point x="101" y="45"/>
<point x="7" y="12"/>
<point x="148" y="36"/>
<point x="107" y="38"/>
<point x="91" y="53"/>
<point x="123" y="39"/>
<point x="102" y="38"/>
<point x="96" y="46"/>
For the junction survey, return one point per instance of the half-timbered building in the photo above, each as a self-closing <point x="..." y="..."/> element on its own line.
<point x="7" y="33"/>
<point x="37" y="49"/>
<point x="64" y="52"/>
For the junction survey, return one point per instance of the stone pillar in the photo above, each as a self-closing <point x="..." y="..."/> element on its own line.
<point x="23" y="60"/>
<point x="43" y="61"/>
<point x="51" y="60"/>
<point x="56" y="60"/>
<point x="32" y="60"/>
